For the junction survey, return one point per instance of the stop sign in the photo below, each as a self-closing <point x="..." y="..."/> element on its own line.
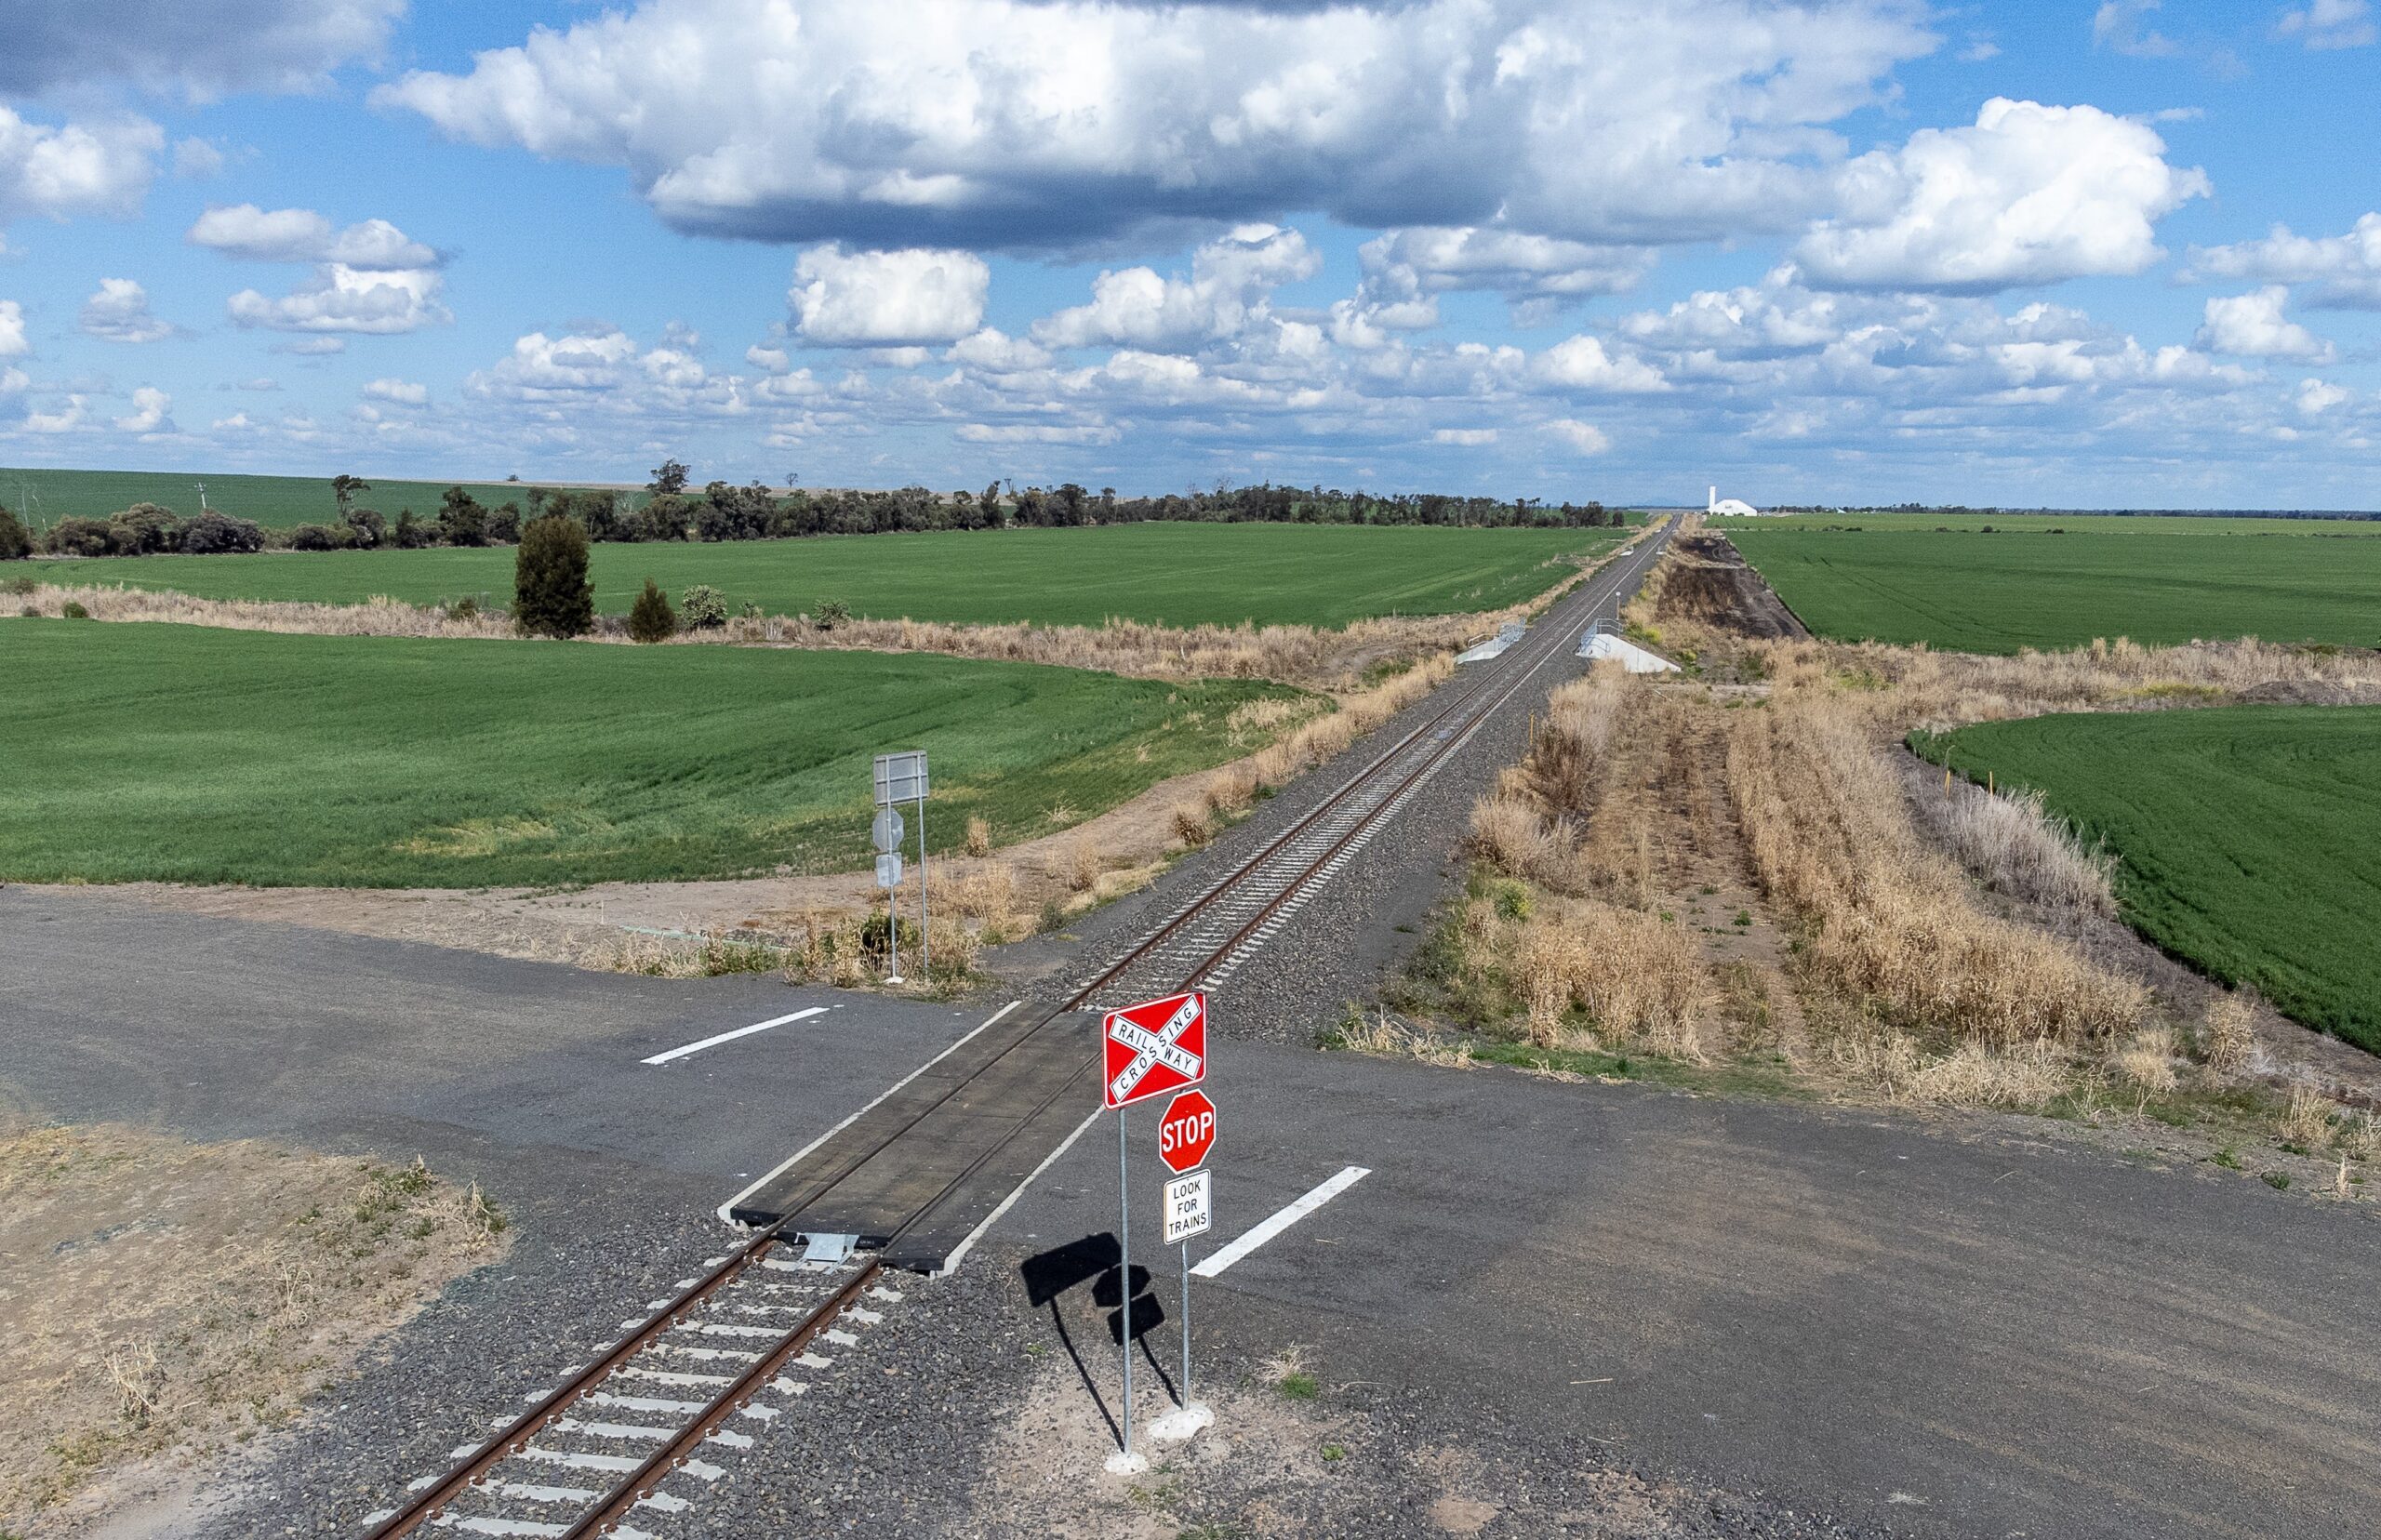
<point x="1187" y="1132"/>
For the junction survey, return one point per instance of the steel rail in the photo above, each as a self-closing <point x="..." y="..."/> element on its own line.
<point x="639" y="1484"/>
<point x="517" y="1434"/>
<point x="1331" y="853"/>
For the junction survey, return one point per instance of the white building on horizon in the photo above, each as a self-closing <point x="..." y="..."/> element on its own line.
<point x="1733" y="507"/>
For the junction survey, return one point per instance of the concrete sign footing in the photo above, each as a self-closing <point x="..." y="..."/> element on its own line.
<point x="1183" y="1421"/>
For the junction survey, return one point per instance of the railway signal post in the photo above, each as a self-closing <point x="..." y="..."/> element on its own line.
<point x="1146" y="1050"/>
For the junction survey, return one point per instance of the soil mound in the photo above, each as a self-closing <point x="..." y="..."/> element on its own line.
<point x="1709" y="582"/>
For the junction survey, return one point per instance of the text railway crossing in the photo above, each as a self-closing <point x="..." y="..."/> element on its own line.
<point x="1216" y="930"/>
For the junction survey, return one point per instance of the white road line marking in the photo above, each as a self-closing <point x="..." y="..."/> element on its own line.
<point x="795" y="1159"/>
<point x="950" y="1263"/>
<point x="731" y="1036"/>
<point x="1215" y="1265"/>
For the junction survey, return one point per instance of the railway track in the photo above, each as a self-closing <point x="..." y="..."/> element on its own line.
<point x="736" y="1344"/>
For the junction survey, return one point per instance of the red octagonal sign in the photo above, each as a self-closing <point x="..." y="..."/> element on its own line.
<point x="1186" y="1134"/>
<point x="1156" y="1046"/>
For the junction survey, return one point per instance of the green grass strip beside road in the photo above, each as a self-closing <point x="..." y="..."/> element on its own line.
<point x="2250" y="837"/>
<point x="2283" y="580"/>
<point x="1178" y="574"/>
<point x="187" y="754"/>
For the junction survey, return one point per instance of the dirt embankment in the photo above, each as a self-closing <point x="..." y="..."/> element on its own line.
<point x="1709" y="581"/>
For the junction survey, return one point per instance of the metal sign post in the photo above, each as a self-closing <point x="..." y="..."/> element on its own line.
<point x="902" y="778"/>
<point x="1147" y="1050"/>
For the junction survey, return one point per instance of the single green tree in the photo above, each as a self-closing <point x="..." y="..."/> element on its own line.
<point x="343" y="491"/>
<point x="16" y="540"/>
<point x="551" y="595"/>
<point x="651" y="619"/>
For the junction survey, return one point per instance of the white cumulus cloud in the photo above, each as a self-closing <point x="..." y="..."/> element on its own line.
<point x="2029" y="195"/>
<point x="1039" y="125"/>
<point x="402" y="392"/>
<point x="119" y="313"/>
<point x="1468" y="438"/>
<point x="103" y="167"/>
<point x="1581" y="364"/>
<point x="2318" y="396"/>
<point x="150" y="406"/>
<point x="1228" y="289"/>
<point x="73" y="414"/>
<point x="2251" y="325"/>
<point x="1584" y="437"/>
<point x="369" y="278"/>
<point x="12" y="329"/>
<point x="342" y="299"/>
<point x="2345" y="269"/>
<point x="303" y="235"/>
<point x="887" y="298"/>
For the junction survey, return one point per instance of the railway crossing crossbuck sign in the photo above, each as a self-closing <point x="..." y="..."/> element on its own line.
<point x="1155" y="1047"/>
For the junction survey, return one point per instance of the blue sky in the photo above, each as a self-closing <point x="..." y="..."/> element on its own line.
<point x="1842" y="251"/>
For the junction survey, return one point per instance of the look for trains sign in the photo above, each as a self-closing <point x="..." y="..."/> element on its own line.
<point x="1155" y="1047"/>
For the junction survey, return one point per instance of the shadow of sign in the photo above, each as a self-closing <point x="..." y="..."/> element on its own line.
<point x="1050" y="1276"/>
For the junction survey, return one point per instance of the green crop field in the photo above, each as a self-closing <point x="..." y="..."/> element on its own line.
<point x="189" y="754"/>
<point x="1182" y="574"/>
<point x="2250" y="837"/>
<point x="2155" y="580"/>
<point x="277" y="502"/>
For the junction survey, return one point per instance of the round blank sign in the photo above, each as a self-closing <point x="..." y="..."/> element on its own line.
<point x="886" y="829"/>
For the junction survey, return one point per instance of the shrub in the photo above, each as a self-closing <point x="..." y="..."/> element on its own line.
<point x="504" y="523"/>
<point x="830" y="614"/>
<point x="143" y="529"/>
<point x="411" y="534"/>
<point x="72" y="610"/>
<point x="315" y="538"/>
<point x="16" y="540"/>
<point x="213" y="534"/>
<point x="366" y="526"/>
<point x="702" y="606"/>
<point x="465" y="609"/>
<point x="651" y="619"/>
<point x="461" y="521"/>
<point x="78" y="538"/>
<point x="878" y="926"/>
<point x="750" y="610"/>
<point x="551" y="595"/>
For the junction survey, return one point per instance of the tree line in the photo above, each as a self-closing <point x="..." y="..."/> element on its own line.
<point x="722" y="511"/>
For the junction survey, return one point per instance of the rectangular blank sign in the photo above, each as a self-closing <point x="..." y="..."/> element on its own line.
<point x="901" y="778"/>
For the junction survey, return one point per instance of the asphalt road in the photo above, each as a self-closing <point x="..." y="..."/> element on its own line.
<point x="1946" y="1328"/>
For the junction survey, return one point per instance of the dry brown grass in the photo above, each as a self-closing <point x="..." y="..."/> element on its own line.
<point x="1892" y="921"/>
<point x="2308" y="1118"/>
<point x="1640" y="981"/>
<point x="1191" y="827"/>
<point x="2147" y="1060"/>
<point x="2013" y="845"/>
<point x="979" y="837"/>
<point x="2227" y="1037"/>
<point x="164" y="1295"/>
